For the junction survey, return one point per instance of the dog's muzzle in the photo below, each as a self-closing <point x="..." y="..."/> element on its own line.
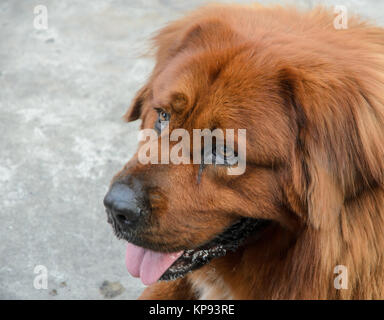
<point x="124" y="206"/>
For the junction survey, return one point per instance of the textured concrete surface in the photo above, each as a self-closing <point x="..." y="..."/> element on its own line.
<point x="62" y="93"/>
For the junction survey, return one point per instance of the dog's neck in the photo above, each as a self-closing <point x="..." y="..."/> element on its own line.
<point x="285" y="266"/>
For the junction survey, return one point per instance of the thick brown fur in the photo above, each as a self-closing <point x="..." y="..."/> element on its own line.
<point x="312" y="100"/>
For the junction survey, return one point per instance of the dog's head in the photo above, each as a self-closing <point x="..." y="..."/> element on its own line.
<point x="300" y="135"/>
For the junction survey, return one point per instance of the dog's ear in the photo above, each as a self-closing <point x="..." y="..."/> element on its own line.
<point x="340" y="130"/>
<point x="170" y="41"/>
<point x="136" y="109"/>
<point x="314" y="166"/>
<point x="186" y="34"/>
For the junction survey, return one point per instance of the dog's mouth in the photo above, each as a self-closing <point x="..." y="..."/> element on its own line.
<point x="152" y="266"/>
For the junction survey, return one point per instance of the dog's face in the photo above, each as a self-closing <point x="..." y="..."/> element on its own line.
<point x="187" y="206"/>
<point x="198" y="211"/>
<point x="313" y="152"/>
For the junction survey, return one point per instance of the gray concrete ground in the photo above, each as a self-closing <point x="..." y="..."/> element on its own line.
<point x="62" y="93"/>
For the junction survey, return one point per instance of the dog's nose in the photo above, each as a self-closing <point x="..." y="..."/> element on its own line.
<point x="122" y="203"/>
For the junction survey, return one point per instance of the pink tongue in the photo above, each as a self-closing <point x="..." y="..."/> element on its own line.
<point x="147" y="264"/>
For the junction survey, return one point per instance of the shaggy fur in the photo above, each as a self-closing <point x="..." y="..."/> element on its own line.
<point x="312" y="100"/>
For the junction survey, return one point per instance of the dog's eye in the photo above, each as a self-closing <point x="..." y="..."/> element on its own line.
<point x="224" y="155"/>
<point x="163" y="116"/>
<point x="162" y="120"/>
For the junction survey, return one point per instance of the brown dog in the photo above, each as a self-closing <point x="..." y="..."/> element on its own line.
<point x="311" y="201"/>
